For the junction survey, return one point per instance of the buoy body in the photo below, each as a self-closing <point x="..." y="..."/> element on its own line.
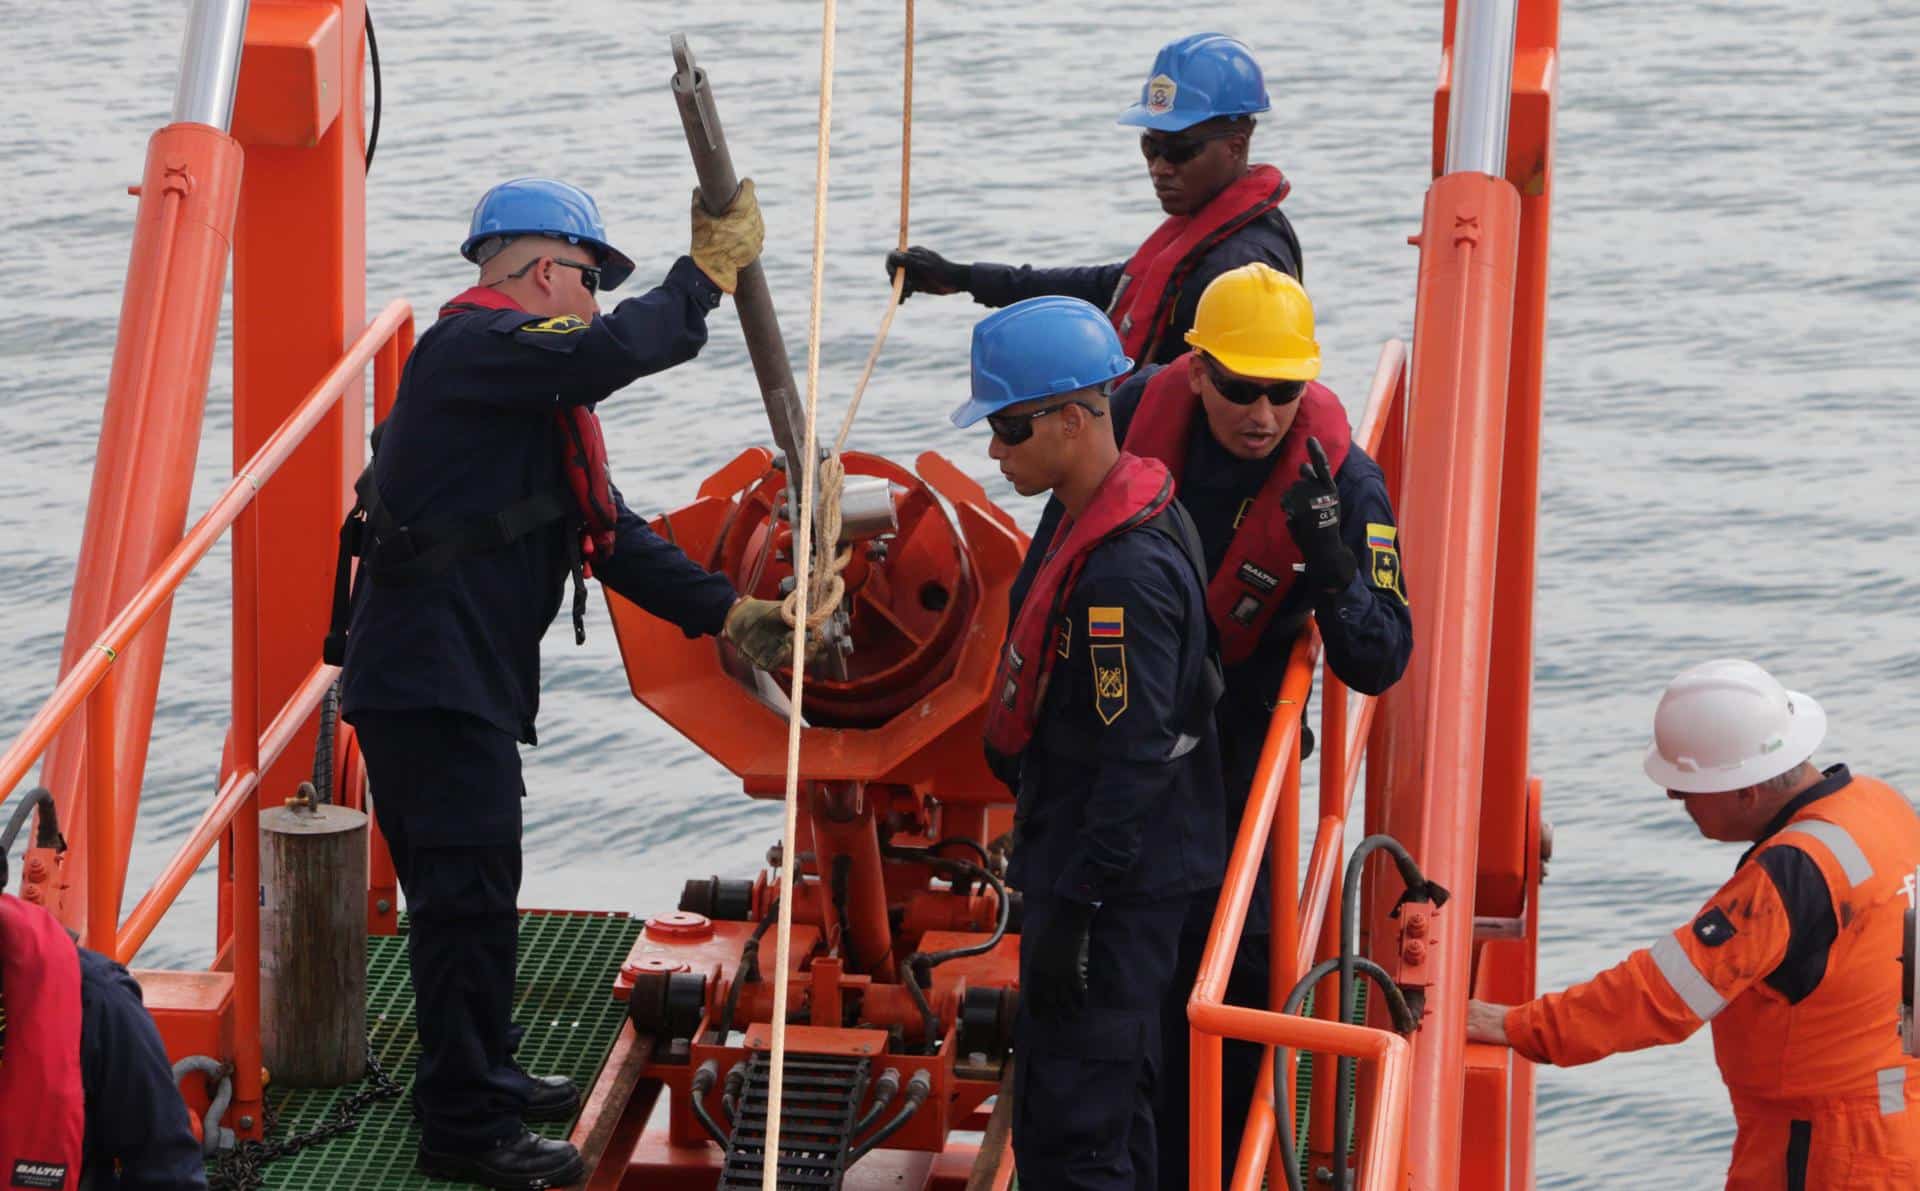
<point x="313" y="945"/>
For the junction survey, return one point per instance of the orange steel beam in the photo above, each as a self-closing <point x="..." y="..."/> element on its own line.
<point x="143" y="471"/>
<point x="299" y="298"/>
<point x="1456" y="439"/>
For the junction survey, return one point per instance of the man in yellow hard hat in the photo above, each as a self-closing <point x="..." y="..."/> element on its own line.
<point x="1295" y="521"/>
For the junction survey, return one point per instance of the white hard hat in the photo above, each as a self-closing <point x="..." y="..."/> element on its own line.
<point x="1726" y="725"/>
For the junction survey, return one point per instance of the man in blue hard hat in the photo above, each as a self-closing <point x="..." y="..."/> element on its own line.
<point x="1196" y="115"/>
<point x="1101" y="718"/>
<point x="488" y="486"/>
<point x="1295" y="521"/>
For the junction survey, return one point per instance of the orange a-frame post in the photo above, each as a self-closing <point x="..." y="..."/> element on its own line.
<point x="1457" y="789"/>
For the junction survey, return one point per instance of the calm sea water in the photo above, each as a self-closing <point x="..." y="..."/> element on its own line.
<point x="1730" y="381"/>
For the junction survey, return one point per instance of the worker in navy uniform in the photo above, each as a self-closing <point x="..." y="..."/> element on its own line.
<point x="487" y="487"/>
<point x="87" y="1097"/>
<point x="1295" y="521"/>
<point x="1101" y="713"/>
<point x="1196" y="116"/>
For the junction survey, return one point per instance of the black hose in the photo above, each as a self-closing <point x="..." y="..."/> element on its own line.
<point x="918" y="1089"/>
<point x="373" y="55"/>
<point x="952" y="869"/>
<point x="736" y="1084"/>
<point x="703" y="1081"/>
<point x="963" y="842"/>
<point x="46" y="832"/>
<point x="323" y="745"/>
<point x="747" y="972"/>
<point x="929" y="1022"/>
<point x="1418" y="889"/>
<point x="883" y="1093"/>
<point x="1403" y="1021"/>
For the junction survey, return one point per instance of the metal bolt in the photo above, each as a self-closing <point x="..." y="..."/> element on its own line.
<point x="1414" y="952"/>
<point x="246" y="1122"/>
<point x="1417" y="925"/>
<point x="36" y="869"/>
<point x="384" y="906"/>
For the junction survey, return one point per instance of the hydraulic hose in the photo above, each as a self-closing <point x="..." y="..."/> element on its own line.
<point x="918" y="1089"/>
<point x="46" y="833"/>
<point x="736" y="1084"/>
<point x="1403" y="1020"/>
<point x="747" y="972"/>
<point x="1418" y="889"/>
<point x="703" y="1081"/>
<point x="919" y="966"/>
<point x="884" y="1091"/>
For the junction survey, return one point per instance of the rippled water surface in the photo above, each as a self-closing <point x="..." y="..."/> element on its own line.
<point x="1730" y="383"/>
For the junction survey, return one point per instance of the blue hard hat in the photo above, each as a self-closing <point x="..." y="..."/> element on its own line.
<point x="1039" y="348"/>
<point x="1198" y="78"/>
<point x="544" y="207"/>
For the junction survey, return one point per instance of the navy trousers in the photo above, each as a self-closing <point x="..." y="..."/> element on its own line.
<point x="446" y="791"/>
<point x="1239" y="1061"/>
<point x="1084" y="1086"/>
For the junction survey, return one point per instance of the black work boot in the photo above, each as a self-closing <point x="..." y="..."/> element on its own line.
<point x="528" y="1162"/>
<point x="550" y="1098"/>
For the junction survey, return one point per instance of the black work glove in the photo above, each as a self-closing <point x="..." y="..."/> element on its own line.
<point x="1058" y="987"/>
<point x="1313" y="518"/>
<point x="928" y="272"/>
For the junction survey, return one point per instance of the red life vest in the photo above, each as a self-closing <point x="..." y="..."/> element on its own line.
<point x="583" y="455"/>
<point x="1132" y="493"/>
<point x="1143" y="301"/>
<point x="42" y="1106"/>
<point x="1258" y="570"/>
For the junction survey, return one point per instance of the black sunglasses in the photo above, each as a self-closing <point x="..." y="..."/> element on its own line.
<point x="1246" y="392"/>
<point x="1014" y="429"/>
<point x="1180" y="149"/>
<point x="589" y="274"/>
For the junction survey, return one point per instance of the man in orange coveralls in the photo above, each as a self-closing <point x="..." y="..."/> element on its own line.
<point x="1795" y="961"/>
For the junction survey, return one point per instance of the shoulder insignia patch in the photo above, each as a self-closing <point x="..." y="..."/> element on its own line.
<point x="1384" y="551"/>
<point x="1109" y="681"/>
<point x="1106" y="622"/>
<point x="1713" y="928"/>
<point x="559" y="324"/>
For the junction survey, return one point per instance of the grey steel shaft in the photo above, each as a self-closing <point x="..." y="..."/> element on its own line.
<point x="210" y="63"/>
<point x="1483" y="33"/>
<point x="713" y="165"/>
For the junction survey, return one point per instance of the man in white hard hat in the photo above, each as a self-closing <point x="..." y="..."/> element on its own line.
<point x="1795" y="961"/>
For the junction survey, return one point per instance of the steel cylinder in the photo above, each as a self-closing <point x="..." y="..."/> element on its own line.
<point x="313" y="945"/>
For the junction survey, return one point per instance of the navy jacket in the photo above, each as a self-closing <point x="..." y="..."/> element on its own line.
<point x="1120" y="794"/>
<point x="134" y="1112"/>
<point x="1268" y="239"/>
<point x="472" y="432"/>
<point x="1367" y="628"/>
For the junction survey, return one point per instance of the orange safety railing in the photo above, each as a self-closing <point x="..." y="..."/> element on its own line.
<point x="385" y="343"/>
<point x="1305" y="916"/>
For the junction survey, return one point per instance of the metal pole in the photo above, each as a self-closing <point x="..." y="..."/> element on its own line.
<point x="713" y="164"/>
<point x="210" y="63"/>
<point x="1483" y="34"/>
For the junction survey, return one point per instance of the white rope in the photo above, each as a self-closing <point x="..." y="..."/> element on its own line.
<point x="802" y="559"/>
<point x="817" y="592"/>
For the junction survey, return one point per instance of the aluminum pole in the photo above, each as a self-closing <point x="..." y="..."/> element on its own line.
<point x="1483" y="33"/>
<point x="210" y="63"/>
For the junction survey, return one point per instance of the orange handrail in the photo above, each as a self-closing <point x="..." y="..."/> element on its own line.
<point x="80" y="682"/>
<point x="90" y="683"/>
<point x="1302" y="918"/>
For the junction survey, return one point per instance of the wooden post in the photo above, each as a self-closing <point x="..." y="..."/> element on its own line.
<point x="313" y="945"/>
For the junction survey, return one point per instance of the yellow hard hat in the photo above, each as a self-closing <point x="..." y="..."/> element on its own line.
<point x="1258" y="322"/>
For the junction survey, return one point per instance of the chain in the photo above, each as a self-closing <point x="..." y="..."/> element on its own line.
<point x="239" y="1169"/>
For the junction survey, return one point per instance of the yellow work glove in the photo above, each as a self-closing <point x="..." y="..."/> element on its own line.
<point x="727" y="243"/>
<point x="760" y="633"/>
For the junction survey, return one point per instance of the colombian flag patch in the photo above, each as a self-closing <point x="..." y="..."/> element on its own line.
<point x="1106" y="622"/>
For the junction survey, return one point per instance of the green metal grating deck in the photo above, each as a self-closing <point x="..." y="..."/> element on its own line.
<point x="567" y="965"/>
